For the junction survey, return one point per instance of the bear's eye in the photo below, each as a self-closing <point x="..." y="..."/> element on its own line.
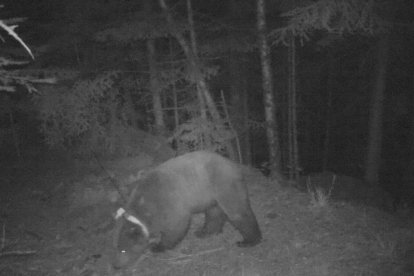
<point x="133" y="232"/>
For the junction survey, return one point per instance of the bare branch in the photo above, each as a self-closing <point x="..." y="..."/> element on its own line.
<point x="10" y="30"/>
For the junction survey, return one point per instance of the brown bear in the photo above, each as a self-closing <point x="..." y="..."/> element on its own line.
<point x="158" y="212"/>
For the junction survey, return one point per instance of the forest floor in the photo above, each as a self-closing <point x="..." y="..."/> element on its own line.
<point x="56" y="219"/>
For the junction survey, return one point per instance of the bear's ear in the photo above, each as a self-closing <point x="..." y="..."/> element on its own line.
<point x="119" y="213"/>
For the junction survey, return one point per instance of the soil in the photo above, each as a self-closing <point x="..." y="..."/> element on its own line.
<point x="56" y="218"/>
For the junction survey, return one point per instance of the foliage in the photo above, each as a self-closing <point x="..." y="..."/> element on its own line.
<point x="333" y="16"/>
<point x="92" y="115"/>
<point x="319" y="197"/>
<point x="174" y="72"/>
<point x="139" y="29"/>
<point x="198" y="133"/>
<point x="9" y="79"/>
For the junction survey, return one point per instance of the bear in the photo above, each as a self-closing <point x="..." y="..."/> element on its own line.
<point x="158" y="212"/>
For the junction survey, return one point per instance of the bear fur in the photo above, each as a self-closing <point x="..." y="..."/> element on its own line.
<point x="165" y="198"/>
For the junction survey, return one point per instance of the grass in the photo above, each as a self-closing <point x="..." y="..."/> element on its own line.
<point x="320" y="198"/>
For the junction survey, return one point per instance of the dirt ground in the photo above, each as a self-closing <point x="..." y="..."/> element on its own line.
<point x="56" y="219"/>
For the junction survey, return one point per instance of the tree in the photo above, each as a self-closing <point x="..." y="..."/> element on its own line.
<point x="238" y="71"/>
<point x="373" y="159"/>
<point x="10" y="79"/>
<point x="206" y="103"/>
<point x="159" y="124"/>
<point x="269" y="102"/>
<point x="334" y="17"/>
<point x="292" y="113"/>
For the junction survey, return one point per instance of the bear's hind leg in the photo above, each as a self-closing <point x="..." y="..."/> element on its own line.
<point x="214" y="222"/>
<point x="248" y="227"/>
<point x="239" y="213"/>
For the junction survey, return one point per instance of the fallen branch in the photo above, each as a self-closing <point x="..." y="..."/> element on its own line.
<point x="185" y="256"/>
<point x="17" y="253"/>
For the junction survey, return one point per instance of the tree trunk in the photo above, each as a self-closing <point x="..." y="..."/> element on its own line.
<point x="159" y="124"/>
<point x="193" y="50"/>
<point x="245" y="139"/>
<point x="373" y="159"/>
<point x="328" y="119"/>
<point x="238" y="92"/>
<point x="15" y="136"/>
<point x="190" y="51"/>
<point x="268" y="97"/>
<point x="194" y="63"/>
<point x="239" y="104"/>
<point x="292" y="111"/>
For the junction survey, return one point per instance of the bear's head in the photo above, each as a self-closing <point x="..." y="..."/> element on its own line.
<point x="131" y="238"/>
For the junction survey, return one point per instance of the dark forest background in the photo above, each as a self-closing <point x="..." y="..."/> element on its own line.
<point x="110" y="58"/>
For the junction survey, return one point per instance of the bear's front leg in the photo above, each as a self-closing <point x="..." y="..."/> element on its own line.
<point x="172" y="233"/>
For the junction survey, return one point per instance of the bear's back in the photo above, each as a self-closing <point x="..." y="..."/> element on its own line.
<point x="192" y="178"/>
